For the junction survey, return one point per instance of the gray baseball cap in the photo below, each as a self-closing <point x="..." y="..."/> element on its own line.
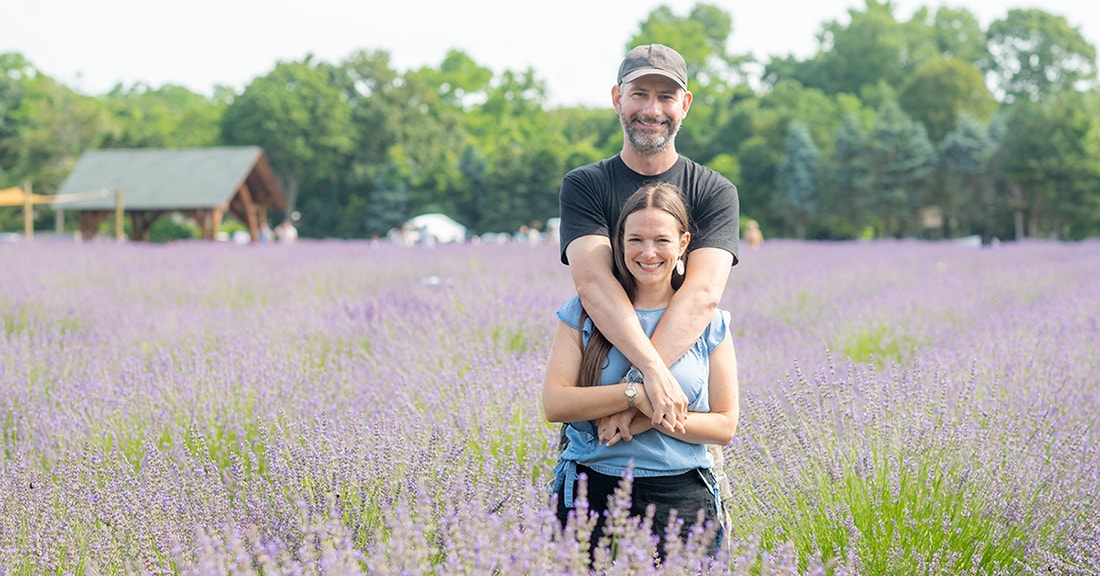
<point x="654" y="59"/>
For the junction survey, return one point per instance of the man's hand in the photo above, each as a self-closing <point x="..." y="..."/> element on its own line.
<point x="615" y="427"/>
<point x="666" y="398"/>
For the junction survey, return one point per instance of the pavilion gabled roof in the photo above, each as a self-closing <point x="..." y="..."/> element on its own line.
<point x="173" y="179"/>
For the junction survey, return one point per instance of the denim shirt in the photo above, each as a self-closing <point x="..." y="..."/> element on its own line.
<point x="650" y="453"/>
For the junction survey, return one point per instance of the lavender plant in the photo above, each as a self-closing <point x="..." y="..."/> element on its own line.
<point x="343" y="407"/>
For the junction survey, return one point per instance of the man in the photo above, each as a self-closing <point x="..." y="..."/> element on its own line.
<point x="651" y="97"/>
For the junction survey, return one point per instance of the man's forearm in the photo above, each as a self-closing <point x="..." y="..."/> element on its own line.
<point x="692" y="307"/>
<point x="610" y="310"/>
<point x="688" y="315"/>
<point x="606" y="302"/>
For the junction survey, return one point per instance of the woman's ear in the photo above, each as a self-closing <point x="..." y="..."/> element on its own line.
<point x="685" y="240"/>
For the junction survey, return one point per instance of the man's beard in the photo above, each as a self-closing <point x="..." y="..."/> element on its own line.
<point x="649" y="145"/>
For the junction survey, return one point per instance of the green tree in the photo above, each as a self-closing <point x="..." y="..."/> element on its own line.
<point x="796" y="180"/>
<point x="1051" y="151"/>
<point x="959" y="36"/>
<point x="847" y="194"/>
<point x="940" y="90"/>
<point x="870" y="48"/>
<point x="431" y="136"/>
<point x="44" y="129"/>
<point x="373" y="196"/>
<point x="525" y="155"/>
<point x="299" y="116"/>
<point x="901" y="158"/>
<point x="167" y="117"/>
<point x="389" y="203"/>
<point x="14" y="71"/>
<point x="460" y="79"/>
<point x="965" y="196"/>
<point x="1035" y="55"/>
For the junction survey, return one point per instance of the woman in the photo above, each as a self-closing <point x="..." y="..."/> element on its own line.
<point x="588" y="380"/>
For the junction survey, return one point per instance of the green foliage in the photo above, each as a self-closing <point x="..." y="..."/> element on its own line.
<point x="173" y="227"/>
<point x="1051" y="151"/>
<point x="1036" y="55"/>
<point x="848" y="181"/>
<point x="796" y="179"/>
<point x="871" y="48"/>
<point x="298" y="116"/>
<point x="959" y="35"/>
<point x="877" y="345"/>
<point x="168" y="117"/>
<point x="940" y="90"/>
<point x="901" y="158"/>
<point x="965" y="193"/>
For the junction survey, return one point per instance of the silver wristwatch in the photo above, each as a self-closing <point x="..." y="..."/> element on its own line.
<point x="633" y="376"/>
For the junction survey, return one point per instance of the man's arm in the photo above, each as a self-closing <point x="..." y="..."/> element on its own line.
<point x="590" y="264"/>
<point x="693" y="305"/>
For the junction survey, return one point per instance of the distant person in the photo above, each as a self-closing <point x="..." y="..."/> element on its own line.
<point x="286" y="233"/>
<point x="522" y="235"/>
<point x="534" y="233"/>
<point x="753" y="236"/>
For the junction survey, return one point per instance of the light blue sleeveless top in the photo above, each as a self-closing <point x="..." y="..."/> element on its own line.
<point x="650" y="453"/>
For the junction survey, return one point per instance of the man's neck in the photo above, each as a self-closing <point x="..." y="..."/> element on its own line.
<point x="649" y="165"/>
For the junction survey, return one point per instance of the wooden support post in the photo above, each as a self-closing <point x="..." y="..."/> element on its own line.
<point x="249" y="212"/>
<point x="119" y="235"/>
<point x="28" y="212"/>
<point x="90" y="221"/>
<point x="216" y="214"/>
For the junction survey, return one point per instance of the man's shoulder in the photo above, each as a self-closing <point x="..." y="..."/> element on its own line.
<point x="697" y="170"/>
<point x="595" y="169"/>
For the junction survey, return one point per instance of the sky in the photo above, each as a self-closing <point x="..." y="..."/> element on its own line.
<point x="573" y="46"/>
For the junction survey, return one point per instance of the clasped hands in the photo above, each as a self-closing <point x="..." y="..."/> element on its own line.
<point x="622" y="426"/>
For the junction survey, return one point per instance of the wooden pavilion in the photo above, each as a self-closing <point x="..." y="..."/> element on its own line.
<point x="201" y="183"/>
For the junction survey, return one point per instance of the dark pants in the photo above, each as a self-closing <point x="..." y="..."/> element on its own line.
<point x="686" y="493"/>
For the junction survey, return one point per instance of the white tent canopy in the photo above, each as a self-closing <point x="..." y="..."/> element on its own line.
<point x="431" y="228"/>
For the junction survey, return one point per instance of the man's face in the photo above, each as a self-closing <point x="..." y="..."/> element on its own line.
<point x="651" y="109"/>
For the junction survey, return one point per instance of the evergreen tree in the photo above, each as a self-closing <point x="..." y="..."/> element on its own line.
<point x="848" y="183"/>
<point x="796" y="180"/>
<point x="901" y="158"/>
<point x="966" y="194"/>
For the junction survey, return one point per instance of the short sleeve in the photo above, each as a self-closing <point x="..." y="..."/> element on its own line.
<point x="580" y="208"/>
<point x="717" y="330"/>
<point x="715" y="217"/>
<point x="570" y="313"/>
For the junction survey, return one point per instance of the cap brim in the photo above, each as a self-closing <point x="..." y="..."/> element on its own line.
<point x="651" y="72"/>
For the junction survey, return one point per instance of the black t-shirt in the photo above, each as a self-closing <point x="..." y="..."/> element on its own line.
<point x="592" y="196"/>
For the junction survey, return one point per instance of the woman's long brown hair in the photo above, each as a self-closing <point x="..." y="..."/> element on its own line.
<point x="662" y="196"/>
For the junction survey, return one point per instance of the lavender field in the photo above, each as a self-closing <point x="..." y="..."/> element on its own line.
<point x="328" y="407"/>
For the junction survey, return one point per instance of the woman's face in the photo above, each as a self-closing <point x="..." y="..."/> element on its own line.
<point x="652" y="242"/>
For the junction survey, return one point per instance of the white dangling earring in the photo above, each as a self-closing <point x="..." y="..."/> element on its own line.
<point x="680" y="266"/>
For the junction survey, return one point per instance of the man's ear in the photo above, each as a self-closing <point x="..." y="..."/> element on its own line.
<point x="616" y="98"/>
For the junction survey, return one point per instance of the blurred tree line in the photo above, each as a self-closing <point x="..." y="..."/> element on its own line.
<point x="928" y="127"/>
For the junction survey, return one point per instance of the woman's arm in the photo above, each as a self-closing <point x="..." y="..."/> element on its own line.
<point x="718" y="425"/>
<point x="562" y="399"/>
